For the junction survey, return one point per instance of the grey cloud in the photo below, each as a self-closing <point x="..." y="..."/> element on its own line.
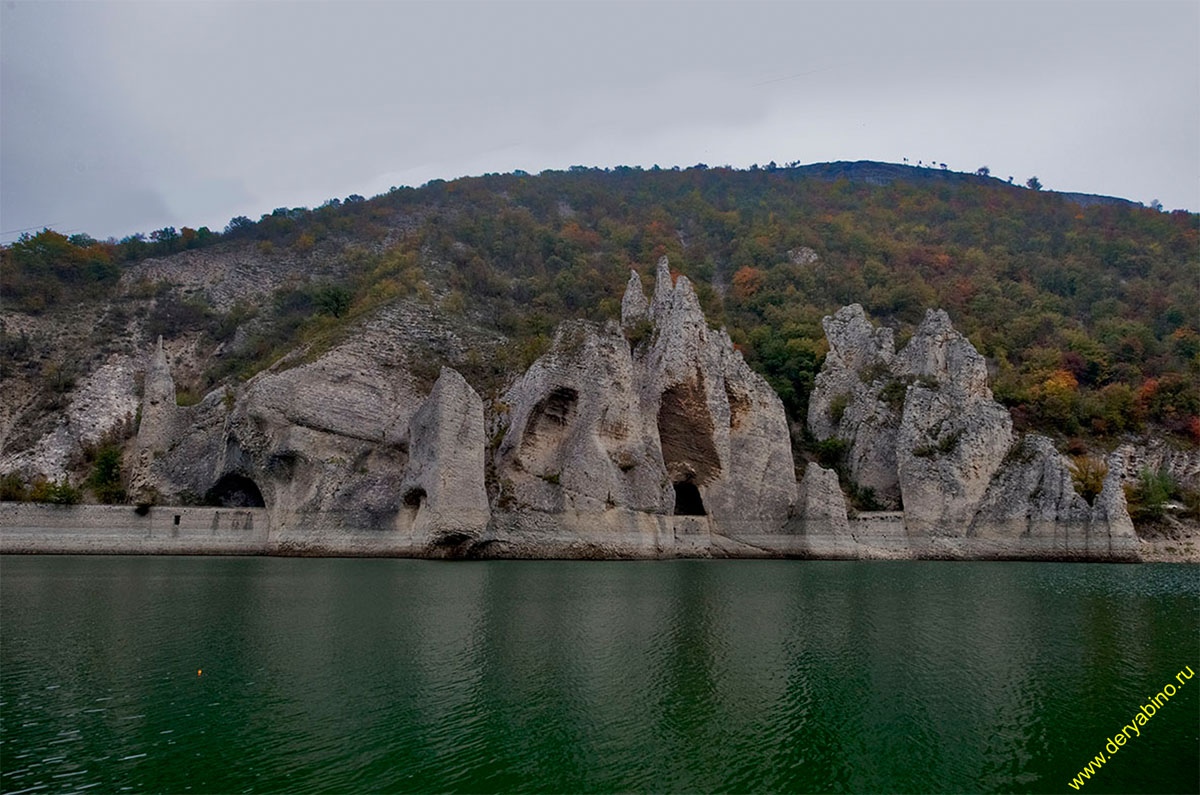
<point x="208" y="110"/>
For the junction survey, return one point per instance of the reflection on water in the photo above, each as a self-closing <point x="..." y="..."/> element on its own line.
<point x="565" y="676"/>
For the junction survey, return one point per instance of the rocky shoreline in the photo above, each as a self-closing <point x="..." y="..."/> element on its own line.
<point x="650" y="438"/>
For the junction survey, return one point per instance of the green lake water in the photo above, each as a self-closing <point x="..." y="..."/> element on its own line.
<point x="356" y="675"/>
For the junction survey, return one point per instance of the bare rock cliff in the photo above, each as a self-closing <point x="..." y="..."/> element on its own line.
<point x="671" y="424"/>
<point x="851" y="400"/>
<point x="922" y="428"/>
<point x="953" y="435"/>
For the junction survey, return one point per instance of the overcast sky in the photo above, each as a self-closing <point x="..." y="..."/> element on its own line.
<point x="125" y="117"/>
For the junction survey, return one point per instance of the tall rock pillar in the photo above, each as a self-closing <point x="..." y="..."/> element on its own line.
<point x="156" y="429"/>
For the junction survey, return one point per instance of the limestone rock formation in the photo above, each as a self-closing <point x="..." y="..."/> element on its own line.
<point x="851" y="399"/>
<point x="333" y="449"/>
<point x="953" y="435"/>
<point x="634" y="307"/>
<point x="100" y="408"/>
<point x="1033" y="496"/>
<point x="443" y="487"/>
<point x="1157" y="455"/>
<point x="1111" y="532"/>
<point x="677" y="426"/>
<point x="926" y="418"/>
<point x="803" y="255"/>
<point x="823" y="506"/>
<point x="156" y="430"/>
<point x="576" y="441"/>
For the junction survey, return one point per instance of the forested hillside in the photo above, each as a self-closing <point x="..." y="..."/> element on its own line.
<point x="1087" y="314"/>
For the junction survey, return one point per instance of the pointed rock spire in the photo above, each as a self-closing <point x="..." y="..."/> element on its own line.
<point x="664" y="288"/>
<point x="159" y="360"/>
<point x="160" y="386"/>
<point x="634" y="307"/>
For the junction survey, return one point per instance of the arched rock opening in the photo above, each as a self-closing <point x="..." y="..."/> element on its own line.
<point x="547" y="427"/>
<point x="235" y="491"/>
<point x="685" y="430"/>
<point x="688" y="501"/>
<point x="414" y="498"/>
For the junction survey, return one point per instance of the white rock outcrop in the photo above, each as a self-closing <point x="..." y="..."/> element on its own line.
<point x="443" y="488"/>
<point x="922" y="428"/>
<point x="848" y="400"/>
<point x="673" y="425"/>
<point x="953" y="435"/>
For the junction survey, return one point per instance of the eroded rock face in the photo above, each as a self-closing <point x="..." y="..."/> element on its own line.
<point x="850" y="400"/>
<point x="1111" y="532"/>
<point x="1156" y="455"/>
<point x="953" y="435"/>
<point x="924" y="423"/>
<point x="576" y="439"/>
<point x="1033" y="495"/>
<point x="344" y="445"/>
<point x="100" y="406"/>
<point x="157" y="430"/>
<point x="634" y="307"/>
<point x="677" y="426"/>
<point x="823" y="504"/>
<point x="443" y="484"/>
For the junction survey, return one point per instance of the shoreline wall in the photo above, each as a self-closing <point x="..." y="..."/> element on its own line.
<point x="32" y="528"/>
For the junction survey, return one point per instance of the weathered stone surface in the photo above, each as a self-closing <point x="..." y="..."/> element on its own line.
<point x="443" y="487"/>
<point x="1157" y="455"/>
<point x="823" y="504"/>
<point x="846" y="400"/>
<point x="663" y="285"/>
<point x="953" y="436"/>
<point x="680" y="425"/>
<point x="100" y="406"/>
<point x="576" y="441"/>
<point x="634" y="307"/>
<point x="1111" y="531"/>
<point x="1033" y="496"/>
<point x="803" y="255"/>
<point x="939" y="352"/>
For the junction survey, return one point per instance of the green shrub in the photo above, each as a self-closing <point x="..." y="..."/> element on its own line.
<point x="862" y="498"/>
<point x="837" y="407"/>
<point x="12" y="488"/>
<point x="1088" y="474"/>
<point x="105" y="479"/>
<point x="638" y="332"/>
<point x="831" y="453"/>
<point x="55" y="492"/>
<point x="943" y="446"/>
<point x="893" y="393"/>
<point x="1148" y="497"/>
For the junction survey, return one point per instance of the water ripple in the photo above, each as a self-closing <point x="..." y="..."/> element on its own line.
<point x="352" y="675"/>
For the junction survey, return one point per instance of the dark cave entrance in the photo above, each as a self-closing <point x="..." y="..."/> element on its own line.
<point x="235" y="491"/>
<point x="687" y="500"/>
<point x="414" y="498"/>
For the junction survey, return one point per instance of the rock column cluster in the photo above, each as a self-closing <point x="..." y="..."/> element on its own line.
<point x="922" y="430"/>
<point x="647" y="437"/>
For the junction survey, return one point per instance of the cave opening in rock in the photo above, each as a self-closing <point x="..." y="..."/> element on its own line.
<point x="559" y="405"/>
<point x="414" y="498"/>
<point x="685" y="430"/>
<point x="235" y="491"/>
<point x="687" y="500"/>
<point x="547" y="427"/>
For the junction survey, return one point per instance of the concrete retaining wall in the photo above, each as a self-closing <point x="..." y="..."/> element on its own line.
<point x="119" y="529"/>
